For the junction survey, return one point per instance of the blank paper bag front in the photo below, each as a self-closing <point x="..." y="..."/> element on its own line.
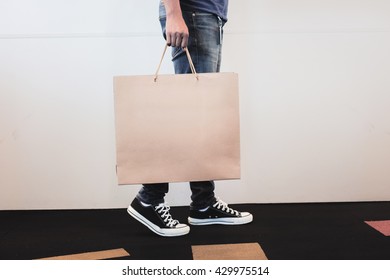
<point x="177" y="128"/>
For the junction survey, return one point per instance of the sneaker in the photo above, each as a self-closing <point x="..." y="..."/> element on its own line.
<point x="157" y="218"/>
<point x="219" y="213"/>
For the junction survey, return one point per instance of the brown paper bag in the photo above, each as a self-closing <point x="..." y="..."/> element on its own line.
<point x="177" y="128"/>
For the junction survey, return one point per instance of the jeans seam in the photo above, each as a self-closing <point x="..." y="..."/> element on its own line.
<point x="195" y="38"/>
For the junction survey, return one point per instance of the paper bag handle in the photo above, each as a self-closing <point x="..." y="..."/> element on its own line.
<point x="189" y="60"/>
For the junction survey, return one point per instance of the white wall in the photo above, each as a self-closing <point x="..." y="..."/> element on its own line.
<point x="315" y="99"/>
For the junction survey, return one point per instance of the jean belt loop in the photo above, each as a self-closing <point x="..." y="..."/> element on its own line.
<point x="220" y="29"/>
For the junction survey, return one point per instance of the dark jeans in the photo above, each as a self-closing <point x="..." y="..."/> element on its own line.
<point x="205" y="43"/>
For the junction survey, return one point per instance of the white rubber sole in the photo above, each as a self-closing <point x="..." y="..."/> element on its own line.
<point x="245" y="219"/>
<point x="179" y="230"/>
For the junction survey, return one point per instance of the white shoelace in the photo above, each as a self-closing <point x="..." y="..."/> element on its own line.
<point x="224" y="207"/>
<point x="163" y="210"/>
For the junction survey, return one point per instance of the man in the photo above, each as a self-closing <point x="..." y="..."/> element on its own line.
<point x="198" y="26"/>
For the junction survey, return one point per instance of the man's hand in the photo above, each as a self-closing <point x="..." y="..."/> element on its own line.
<point x="176" y="32"/>
<point x="176" y="29"/>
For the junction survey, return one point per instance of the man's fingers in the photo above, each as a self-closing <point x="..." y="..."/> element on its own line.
<point x="169" y="40"/>
<point x="184" y="41"/>
<point x="177" y="39"/>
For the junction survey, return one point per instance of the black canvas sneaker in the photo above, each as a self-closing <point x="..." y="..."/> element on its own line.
<point x="157" y="219"/>
<point x="219" y="213"/>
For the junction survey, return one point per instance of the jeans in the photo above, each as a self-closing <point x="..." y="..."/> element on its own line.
<point x="204" y="45"/>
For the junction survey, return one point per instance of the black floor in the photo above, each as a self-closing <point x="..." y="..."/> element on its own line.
<point x="318" y="231"/>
